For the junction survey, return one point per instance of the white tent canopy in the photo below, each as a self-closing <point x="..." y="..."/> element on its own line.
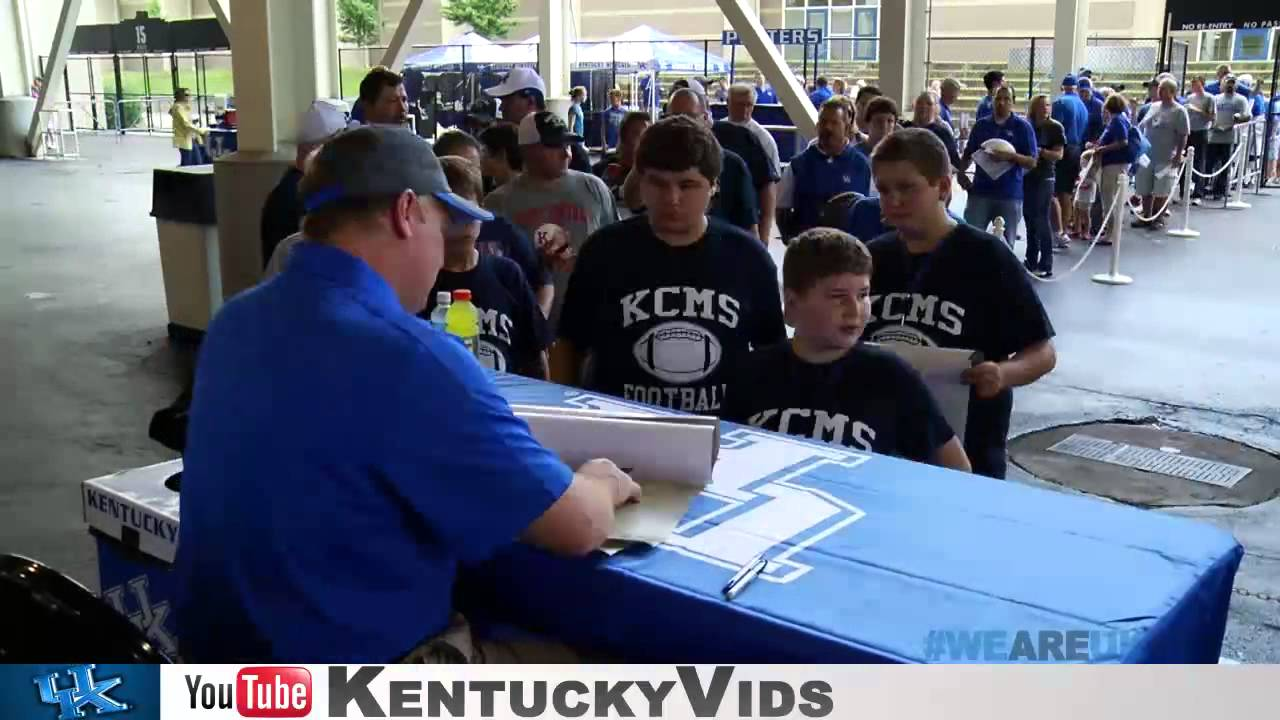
<point x="470" y="47"/>
<point x="647" y="47"/>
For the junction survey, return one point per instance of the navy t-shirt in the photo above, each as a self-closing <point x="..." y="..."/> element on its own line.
<point x="737" y="201"/>
<point x="500" y="238"/>
<point x="342" y="459"/>
<point x="666" y="325"/>
<point x="970" y="293"/>
<point x="1093" y="126"/>
<point x="1023" y="137"/>
<point x="869" y="399"/>
<point x="513" y="330"/>
<point x="742" y="141"/>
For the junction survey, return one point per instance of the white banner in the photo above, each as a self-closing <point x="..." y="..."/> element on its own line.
<point x="209" y="692"/>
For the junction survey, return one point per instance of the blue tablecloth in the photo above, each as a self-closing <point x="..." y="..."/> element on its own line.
<point x="870" y="555"/>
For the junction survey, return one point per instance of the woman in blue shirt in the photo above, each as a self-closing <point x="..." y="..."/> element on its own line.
<point x="1112" y="151"/>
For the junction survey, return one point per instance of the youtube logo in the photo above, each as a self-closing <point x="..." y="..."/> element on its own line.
<point x="258" y="692"/>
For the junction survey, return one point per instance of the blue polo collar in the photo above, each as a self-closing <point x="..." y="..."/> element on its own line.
<point x="344" y="270"/>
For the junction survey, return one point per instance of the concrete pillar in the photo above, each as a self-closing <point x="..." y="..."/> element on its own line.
<point x="49" y="93"/>
<point x="16" y="72"/>
<point x="769" y="60"/>
<point x="394" y="55"/>
<point x="1070" y="29"/>
<point x="903" y="40"/>
<point x="553" y="46"/>
<point x="282" y="58"/>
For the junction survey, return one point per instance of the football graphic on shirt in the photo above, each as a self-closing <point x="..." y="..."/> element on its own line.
<point x="678" y="352"/>
<point x="902" y="334"/>
<point x="490" y="356"/>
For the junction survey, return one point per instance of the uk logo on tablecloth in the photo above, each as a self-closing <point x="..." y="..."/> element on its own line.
<point x="759" y="500"/>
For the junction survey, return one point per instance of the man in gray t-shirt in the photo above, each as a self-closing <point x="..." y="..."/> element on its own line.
<point x="549" y="193"/>
<point x="1229" y="110"/>
<point x="1166" y="126"/>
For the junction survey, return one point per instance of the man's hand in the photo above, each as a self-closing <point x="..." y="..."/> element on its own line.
<point x="986" y="378"/>
<point x="553" y="243"/>
<point x="1003" y="155"/>
<point x="624" y="489"/>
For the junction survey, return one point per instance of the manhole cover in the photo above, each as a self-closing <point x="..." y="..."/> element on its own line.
<point x="1149" y="465"/>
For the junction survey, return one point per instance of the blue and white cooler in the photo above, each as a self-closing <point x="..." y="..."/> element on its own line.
<point x="133" y="515"/>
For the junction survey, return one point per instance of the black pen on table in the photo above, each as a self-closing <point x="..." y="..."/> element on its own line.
<point x="744" y="576"/>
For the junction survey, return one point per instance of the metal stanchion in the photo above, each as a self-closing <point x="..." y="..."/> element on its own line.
<point x="1242" y="168"/>
<point x="1188" y="173"/>
<point x="1114" y="277"/>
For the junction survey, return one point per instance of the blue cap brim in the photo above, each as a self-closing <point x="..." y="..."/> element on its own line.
<point x="463" y="209"/>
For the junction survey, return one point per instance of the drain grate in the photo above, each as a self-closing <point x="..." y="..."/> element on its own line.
<point x="1156" y="461"/>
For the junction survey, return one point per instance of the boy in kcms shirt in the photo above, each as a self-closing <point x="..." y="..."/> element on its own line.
<point x="827" y="385"/>
<point x="940" y="284"/>
<point x="513" y="330"/>
<point x="668" y="302"/>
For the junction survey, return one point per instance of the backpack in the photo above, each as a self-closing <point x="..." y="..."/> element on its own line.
<point x="1138" y="145"/>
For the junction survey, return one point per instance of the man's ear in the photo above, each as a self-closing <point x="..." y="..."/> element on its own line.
<point x="404" y="213"/>
<point x="945" y="188"/>
<point x="789" y="299"/>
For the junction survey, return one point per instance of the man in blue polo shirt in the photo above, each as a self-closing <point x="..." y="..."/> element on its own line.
<point x="1000" y="196"/>
<point x="1093" y="105"/>
<point x="827" y="168"/>
<point x="1069" y="110"/>
<point x="343" y="457"/>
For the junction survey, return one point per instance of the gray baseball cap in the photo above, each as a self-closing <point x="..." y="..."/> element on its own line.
<point x="390" y="161"/>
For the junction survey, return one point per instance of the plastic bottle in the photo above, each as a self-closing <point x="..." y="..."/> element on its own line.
<point x="443" y="302"/>
<point x="463" y="321"/>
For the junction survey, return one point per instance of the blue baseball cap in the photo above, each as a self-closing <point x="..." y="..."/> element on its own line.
<point x="1069" y="81"/>
<point x="379" y="161"/>
<point x="1085" y="84"/>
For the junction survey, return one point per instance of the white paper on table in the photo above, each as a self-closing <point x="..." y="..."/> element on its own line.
<point x="992" y="167"/>
<point x="942" y="369"/>
<point x="671" y="457"/>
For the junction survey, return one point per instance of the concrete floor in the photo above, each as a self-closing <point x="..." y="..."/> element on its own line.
<point x="1193" y="342"/>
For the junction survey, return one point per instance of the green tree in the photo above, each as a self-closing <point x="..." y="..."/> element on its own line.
<point x="153" y="9"/>
<point x="358" y="20"/>
<point x="490" y="18"/>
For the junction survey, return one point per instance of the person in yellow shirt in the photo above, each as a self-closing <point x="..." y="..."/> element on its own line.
<point x="187" y="138"/>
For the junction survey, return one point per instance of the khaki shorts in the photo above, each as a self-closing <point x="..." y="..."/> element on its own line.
<point x="1150" y="181"/>
<point x="458" y="646"/>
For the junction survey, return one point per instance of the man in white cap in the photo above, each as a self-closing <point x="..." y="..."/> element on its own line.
<point x="523" y="93"/>
<point x="282" y="213"/>
<point x="557" y="206"/>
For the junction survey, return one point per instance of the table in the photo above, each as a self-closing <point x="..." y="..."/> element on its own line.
<point x="870" y="554"/>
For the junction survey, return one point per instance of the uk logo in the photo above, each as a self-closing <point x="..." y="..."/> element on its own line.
<point x="150" y="618"/>
<point x="84" y="691"/>
<point x="759" y="500"/>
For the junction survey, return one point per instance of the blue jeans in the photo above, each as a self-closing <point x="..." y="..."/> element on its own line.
<point x="1037" y="198"/>
<point x="981" y="210"/>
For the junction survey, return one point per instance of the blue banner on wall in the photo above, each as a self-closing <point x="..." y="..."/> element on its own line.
<point x="71" y="692"/>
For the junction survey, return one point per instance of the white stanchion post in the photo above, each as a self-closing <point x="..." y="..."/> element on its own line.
<point x="1114" y="277"/>
<point x="1242" y="168"/>
<point x="1188" y="174"/>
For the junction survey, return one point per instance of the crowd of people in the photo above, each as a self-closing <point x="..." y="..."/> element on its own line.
<point x="323" y="392"/>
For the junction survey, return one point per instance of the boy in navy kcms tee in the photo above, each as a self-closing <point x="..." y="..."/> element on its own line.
<point x="939" y="284"/>
<point x="825" y="383"/>
<point x="665" y="304"/>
